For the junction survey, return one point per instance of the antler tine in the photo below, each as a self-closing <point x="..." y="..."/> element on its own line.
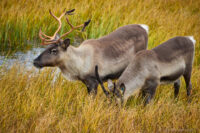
<point x="76" y="27"/>
<point x="42" y="34"/>
<point x="41" y="37"/>
<point x="44" y="40"/>
<point x="69" y="22"/>
<point x="47" y="43"/>
<point x="72" y="29"/>
<point x="59" y="21"/>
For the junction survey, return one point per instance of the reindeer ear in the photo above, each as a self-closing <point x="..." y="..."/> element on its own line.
<point x="110" y="85"/>
<point x="122" y="88"/>
<point x="65" y="44"/>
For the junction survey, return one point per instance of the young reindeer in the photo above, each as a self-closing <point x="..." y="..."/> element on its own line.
<point x="163" y="64"/>
<point x="77" y="63"/>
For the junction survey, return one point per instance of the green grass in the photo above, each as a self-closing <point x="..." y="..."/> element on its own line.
<point x="35" y="104"/>
<point x="21" y="20"/>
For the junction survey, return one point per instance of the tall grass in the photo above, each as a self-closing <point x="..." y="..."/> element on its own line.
<point x="36" y="104"/>
<point x="20" y="20"/>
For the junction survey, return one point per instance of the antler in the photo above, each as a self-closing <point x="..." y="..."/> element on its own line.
<point x="51" y="39"/>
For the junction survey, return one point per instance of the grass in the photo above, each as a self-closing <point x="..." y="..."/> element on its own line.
<point x="33" y="103"/>
<point x="21" y="21"/>
<point x="30" y="102"/>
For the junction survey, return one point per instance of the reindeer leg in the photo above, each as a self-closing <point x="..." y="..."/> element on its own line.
<point x="176" y="87"/>
<point x="91" y="85"/>
<point x="149" y="90"/>
<point x="187" y="77"/>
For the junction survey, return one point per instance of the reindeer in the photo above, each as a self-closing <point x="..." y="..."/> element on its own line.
<point x="163" y="64"/>
<point x="77" y="63"/>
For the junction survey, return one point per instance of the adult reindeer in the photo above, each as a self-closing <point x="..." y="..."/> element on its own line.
<point x="163" y="64"/>
<point x="77" y="63"/>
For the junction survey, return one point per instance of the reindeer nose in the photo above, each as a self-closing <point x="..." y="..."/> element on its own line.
<point x="37" y="64"/>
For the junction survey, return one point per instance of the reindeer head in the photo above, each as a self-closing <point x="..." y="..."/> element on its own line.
<point x="114" y="90"/>
<point x="52" y="55"/>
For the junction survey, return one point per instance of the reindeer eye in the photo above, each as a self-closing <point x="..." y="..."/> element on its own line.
<point x="53" y="51"/>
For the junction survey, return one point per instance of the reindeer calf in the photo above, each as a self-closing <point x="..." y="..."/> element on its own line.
<point x="163" y="64"/>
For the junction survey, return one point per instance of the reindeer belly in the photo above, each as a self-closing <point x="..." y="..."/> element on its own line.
<point x="112" y="69"/>
<point x="172" y="72"/>
<point x="171" y="77"/>
<point x="114" y="75"/>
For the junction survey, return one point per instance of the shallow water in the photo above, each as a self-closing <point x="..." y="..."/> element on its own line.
<point x="25" y="59"/>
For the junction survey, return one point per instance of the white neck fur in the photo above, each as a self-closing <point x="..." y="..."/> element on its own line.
<point x="76" y="62"/>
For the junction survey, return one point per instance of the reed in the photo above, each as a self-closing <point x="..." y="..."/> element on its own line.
<point x="20" y="20"/>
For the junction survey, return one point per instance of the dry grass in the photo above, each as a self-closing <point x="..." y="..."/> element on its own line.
<point x="35" y="104"/>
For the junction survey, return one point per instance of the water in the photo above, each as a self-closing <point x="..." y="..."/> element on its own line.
<point x="25" y="59"/>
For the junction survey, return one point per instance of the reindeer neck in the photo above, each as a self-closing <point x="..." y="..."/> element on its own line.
<point x="74" y="61"/>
